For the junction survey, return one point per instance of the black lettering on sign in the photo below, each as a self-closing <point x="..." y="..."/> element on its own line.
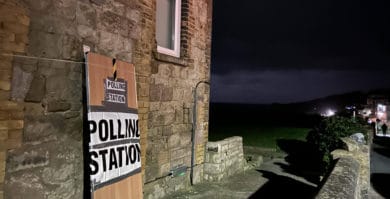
<point x="137" y="132"/>
<point x="113" y="158"/>
<point x="127" y="156"/>
<point x="134" y="154"/>
<point x="94" y="166"/>
<point x="132" y="128"/>
<point x="120" y="136"/>
<point x="103" y="154"/>
<point x="103" y="134"/>
<point x="111" y="130"/>
<point x="107" y="157"/>
<point x="138" y="152"/>
<point x="120" y="152"/>
<point x="92" y="126"/>
<point x="113" y="162"/>
<point x="112" y="135"/>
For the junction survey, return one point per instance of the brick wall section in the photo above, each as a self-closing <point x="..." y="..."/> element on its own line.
<point x="14" y="25"/>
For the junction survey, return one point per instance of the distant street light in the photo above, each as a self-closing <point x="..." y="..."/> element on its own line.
<point x="329" y="113"/>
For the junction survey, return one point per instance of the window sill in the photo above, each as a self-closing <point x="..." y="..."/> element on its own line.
<point x="170" y="59"/>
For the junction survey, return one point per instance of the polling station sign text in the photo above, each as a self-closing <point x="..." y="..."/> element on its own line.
<point x="114" y="134"/>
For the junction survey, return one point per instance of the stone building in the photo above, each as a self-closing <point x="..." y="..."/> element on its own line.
<point x="41" y="89"/>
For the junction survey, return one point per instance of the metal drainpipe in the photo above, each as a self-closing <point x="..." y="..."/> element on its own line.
<point x="194" y="115"/>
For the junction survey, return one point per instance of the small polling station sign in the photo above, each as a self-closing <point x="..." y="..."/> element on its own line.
<point x="114" y="134"/>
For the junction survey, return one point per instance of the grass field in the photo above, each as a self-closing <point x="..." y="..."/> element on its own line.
<point x="259" y="136"/>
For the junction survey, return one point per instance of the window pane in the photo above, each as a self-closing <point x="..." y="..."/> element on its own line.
<point x="165" y="20"/>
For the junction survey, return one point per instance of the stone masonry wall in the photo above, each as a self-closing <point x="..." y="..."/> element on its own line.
<point x="350" y="177"/>
<point x="49" y="83"/>
<point x="343" y="181"/>
<point x="14" y="24"/>
<point x="224" y="158"/>
<point x="49" y="162"/>
<point x="171" y="105"/>
<point x="42" y="125"/>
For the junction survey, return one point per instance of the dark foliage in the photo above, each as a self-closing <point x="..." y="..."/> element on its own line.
<point x="325" y="137"/>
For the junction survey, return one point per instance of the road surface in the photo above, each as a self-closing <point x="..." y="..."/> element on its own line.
<point x="380" y="167"/>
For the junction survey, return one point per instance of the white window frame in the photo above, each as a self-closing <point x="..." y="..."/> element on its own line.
<point x="176" y="46"/>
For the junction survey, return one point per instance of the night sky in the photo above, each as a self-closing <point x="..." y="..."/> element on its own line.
<point x="266" y="51"/>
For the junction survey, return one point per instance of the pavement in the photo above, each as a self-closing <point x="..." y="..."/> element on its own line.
<point x="380" y="167"/>
<point x="275" y="179"/>
<point x="241" y="185"/>
<point x="267" y="181"/>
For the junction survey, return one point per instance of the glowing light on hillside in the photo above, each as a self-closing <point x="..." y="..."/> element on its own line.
<point x="329" y="113"/>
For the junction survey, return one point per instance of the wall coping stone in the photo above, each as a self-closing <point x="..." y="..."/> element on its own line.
<point x="350" y="177"/>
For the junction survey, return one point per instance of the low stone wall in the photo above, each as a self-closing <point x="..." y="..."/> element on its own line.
<point x="224" y="158"/>
<point x="350" y="177"/>
<point x="343" y="181"/>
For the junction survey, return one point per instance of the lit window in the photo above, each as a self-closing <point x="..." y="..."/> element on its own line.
<point x="168" y="17"/>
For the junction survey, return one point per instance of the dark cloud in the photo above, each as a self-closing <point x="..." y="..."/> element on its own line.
<point x="268" y="51"/>
<point x="300" y="34"/>
<point x="292" y="86"/>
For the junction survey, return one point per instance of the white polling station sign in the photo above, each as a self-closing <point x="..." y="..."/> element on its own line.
<point x="114" y="134"/>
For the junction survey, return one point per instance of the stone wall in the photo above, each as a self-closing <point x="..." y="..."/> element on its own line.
<point x="44" y="82"/>
<point x="343" y="181"/>
<point x="350" y="177"/>
<point x="171" y="105"/>
<point x="224" y="158"/>
<point x="49" y="162"/>
<point x="14" y="25"/>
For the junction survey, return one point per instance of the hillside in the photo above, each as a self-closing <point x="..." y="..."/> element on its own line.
<point x="294" y="114"/>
